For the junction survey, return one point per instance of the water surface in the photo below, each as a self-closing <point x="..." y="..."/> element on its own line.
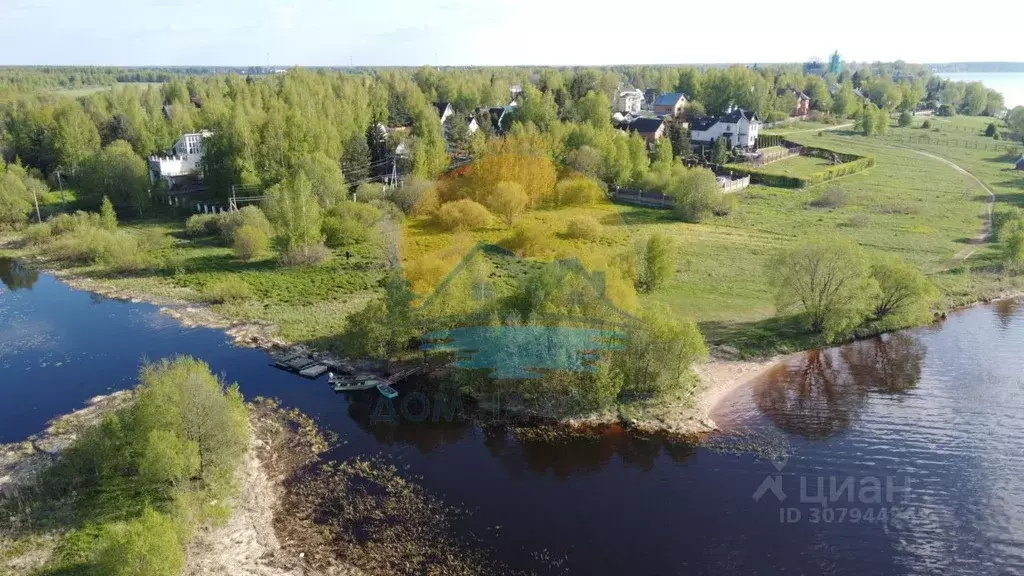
<point x="936" y="410"/>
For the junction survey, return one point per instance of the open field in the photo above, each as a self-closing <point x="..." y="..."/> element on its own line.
<point x="796" y="127"/>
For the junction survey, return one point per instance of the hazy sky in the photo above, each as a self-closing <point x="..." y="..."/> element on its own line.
<point x="497" y="32"/>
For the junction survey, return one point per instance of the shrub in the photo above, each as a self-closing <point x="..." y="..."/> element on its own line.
<point x="926" y="125"/>
<point x="508" y="200"/>
<point x="38" y="233"/>
<point x="905" y="292"/>
<point x="200" y="225"/>
<point x="584" y="228"/>
<point x="349" y="223"/>
<point x="655" y="262"/>
<point x="408" y="196"/>
<point x="232" y="289"/>
<point x="370" y="191"/>
<point x="528" y="240"/>
<point x="726" y="204"/>
<point x="858" y="221"/>
<point x="831" y="198"/>
<point x="695" y="195"/>
<point x="947" y="110"/>
<point x="230" y="223"/>
<point x="577" y="190"/>
<point x="305" y="255"/>
<point x="122" y="253"/>
<point x="462" y="215"/>
<point x="250" y="242"/>
<point x="991" y="130"/>
<point x="147" y="546"/>
<point x="905" y="119"/>
<point x="108" y="219"/>
<point x="151" y="240"/>
<point x="67" y="223"/>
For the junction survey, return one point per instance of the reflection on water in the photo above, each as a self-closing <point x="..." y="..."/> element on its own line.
<point x="1006" y="310"/>
<point x="17" y="276"/>
<point x="820" y="393"/>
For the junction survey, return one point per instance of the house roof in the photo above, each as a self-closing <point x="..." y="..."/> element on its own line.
<point x="731" y="117"/>
<point x="441" y="107"/>
<point x="798" y="93"/>
<point x="669" y="99"/>
<point x="646" y="125"/>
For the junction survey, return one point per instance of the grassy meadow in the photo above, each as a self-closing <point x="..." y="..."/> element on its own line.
<point x="915" y="207"/>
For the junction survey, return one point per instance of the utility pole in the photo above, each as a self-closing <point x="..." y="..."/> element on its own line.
<point x="35" y="198"/>
<point x="60" y="184"/>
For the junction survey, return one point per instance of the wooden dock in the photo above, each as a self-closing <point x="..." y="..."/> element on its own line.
<point x="301" y="364"/>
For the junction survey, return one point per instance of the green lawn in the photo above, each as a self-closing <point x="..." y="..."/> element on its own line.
<point x="796" y="166"/>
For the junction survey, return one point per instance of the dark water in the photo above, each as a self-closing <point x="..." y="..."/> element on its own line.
<point x="936" y="412"/>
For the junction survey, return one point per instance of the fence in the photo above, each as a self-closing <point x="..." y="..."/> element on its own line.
<point x="774" y="156"/>
<point x="972" y="144"/>
<point x="658" y="200"/>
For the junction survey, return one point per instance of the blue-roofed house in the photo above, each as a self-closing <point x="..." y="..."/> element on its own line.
<point x="670" y="104"/>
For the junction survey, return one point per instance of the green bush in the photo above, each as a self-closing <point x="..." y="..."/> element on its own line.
<point x="349" y="223"/>
<point x="200" y="225"/>
<point x="108" y="218"/>
<point x="578" y="190"/>
<point x="67" y="223"/>
<point x="230" y="223"/>
<point x="232" y="289"/>
<point x="250" y="242"/>
<point x="926" y="125"/>
<point x="305" y="255"/>
<point x="528" y="240"/>
<point x="905" y="119"/>
<point x="831" y="198"/>
<point x="462" y="214"/>
<point x="151" y="240"/>
<point x="991" y="130"/>
<point x="122" y="253"/>
<point x="583" y="228"/>
<point x="695" y="196"/>
<point x="727" y="204"/>
<point x="147" y="546"/>
<point x="38" y="233"/>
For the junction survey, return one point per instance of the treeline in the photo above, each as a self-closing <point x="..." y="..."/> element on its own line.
<point x="70" y="77"/>
<point x="128" y="495"/>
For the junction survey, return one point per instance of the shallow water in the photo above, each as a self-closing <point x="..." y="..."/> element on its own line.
<point x="937" y="411"/>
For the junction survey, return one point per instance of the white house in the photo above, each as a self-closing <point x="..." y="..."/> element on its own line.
<point x="183" y="161"/>
<point x="629" y="100"/>
<point x="739" y="126"/>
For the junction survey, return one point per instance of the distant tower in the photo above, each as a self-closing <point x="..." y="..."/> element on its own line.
<point x="835" y="64"/>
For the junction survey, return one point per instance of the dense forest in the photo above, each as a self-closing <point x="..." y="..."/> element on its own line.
<point x="265" y="126"/>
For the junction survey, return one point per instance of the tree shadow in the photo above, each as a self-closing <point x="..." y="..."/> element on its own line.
<point x="760" y="338"/>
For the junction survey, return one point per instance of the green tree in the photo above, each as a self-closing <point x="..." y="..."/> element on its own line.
<point x="656" y="263"/>
<point x="325" y="179"/>
<point x="662" y="151"/>
<point x="905" y="293"/>
<point x="208" y="418"/>
<point x="994" y="103"/>
<point x="975" y="99"/>
<point x="720" y="151"/>
<point x="296" y="216"/>
<point x="845" y="101"/>
<point x="827" y="281"/>
<point x="679" y="139"/>
<point x="108" y="218"/>
<point x="1015" y="119"/>
<point x="460" y="139"/>
<point x="657" y="354"/>
<point x="355" y="161"/>
<point x="594" y="109"/>
<point x="905" y="119"/>
<point x="118" y="172"/>
<point x="695" y="193"/>
<point x="75" y="138"/>
<point x="15" y="201"/>
<point x="991" y="129"/>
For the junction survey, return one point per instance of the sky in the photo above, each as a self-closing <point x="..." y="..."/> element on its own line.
<point x="495" y="32"/>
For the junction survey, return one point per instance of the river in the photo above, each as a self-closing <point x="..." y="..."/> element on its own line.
<point x="932" y="419"/>
<point x="1009" y="84"/>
